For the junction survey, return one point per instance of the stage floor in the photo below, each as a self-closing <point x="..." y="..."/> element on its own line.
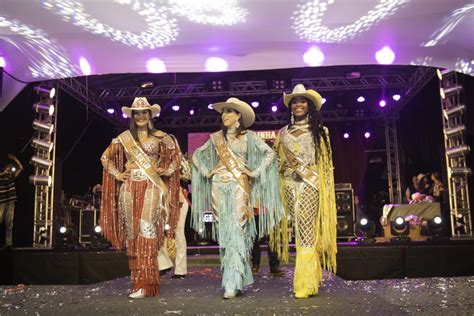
<point x="200" y="294"/>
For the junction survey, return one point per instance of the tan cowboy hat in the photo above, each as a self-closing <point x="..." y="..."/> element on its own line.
<point x="248" y="115"/>
<point x="300" y="91"/>
<point x="141" y="103"/>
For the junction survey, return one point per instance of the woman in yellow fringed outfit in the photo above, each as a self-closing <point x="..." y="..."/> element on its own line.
<point x="307" y="189"/>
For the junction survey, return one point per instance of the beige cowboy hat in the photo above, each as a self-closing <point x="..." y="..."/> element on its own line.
<point x="248" y="115"/>
<point x="300" y="91"/>
<point x="141" y="103"/>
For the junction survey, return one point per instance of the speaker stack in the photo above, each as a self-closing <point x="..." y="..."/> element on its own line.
<point x="345" y="211"/>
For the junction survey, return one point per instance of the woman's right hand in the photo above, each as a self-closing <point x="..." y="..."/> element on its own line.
<point x="212" y="172"/>
<point x="122" y="176"/>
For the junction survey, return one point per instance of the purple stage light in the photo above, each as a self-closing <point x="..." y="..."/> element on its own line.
<point x="175" y="108"/>
<point x="85" y="66"/>
<point x="255" y="104"/>
<point x="367" y="134"/>
<point x="382" y="103"/>
<point x="396" y="97"/>
<point x="313" y="56"/>
<point x="191" y="112"/>
<point x="216" y="64"/>
<point x="274" y="108"/>
<point x="124" y="115"/>
<point x="3" y="63"/>
<point x="385" y="56"/>
<point x="323" y="100"/>
<point x="110" y="110"/>
<point x="346" y="135"/>
<point x="155" y="65"/>
<point x="210" y="107"/>
<point x="360" y="99"/>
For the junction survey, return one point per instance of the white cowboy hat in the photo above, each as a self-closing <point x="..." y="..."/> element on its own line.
<point x="248" y="115"/>
<point x="141" y="103"/>
<point x="300" y="91"/>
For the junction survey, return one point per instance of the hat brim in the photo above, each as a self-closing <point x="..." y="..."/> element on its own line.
<point x="248" y="115"/>
<point x="309" y="94"/>
<point x="155" y="109"/>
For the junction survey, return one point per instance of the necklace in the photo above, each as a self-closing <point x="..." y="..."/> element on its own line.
<point x="302" y="122"/>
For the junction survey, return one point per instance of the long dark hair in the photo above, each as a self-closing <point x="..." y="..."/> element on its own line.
<point x="240" y="129"/>
<point x="133" y="127"/>
<point x="315" y="124"/>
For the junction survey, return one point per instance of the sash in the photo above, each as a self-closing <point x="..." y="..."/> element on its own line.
<point x="230" y="161"/>
<point x="135" y="151"/>
<point x="300" y="167"/>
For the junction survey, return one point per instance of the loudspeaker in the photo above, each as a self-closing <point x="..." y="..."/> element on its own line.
<point x="87" y="223"/>
<point x="345" y="212"/>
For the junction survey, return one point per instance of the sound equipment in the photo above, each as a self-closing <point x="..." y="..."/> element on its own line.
<point x="345" y="211"/>
<point x="87" y="223"/>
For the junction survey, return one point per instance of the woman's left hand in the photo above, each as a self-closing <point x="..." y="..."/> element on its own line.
<point x="245" y="171"/>
<point x="162" y="172"/>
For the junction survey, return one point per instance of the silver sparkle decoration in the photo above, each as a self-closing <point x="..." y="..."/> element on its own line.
<point x="47" y="59"/>
<point x="464" y="66"/>
<point x="161" y="27"/>
<point x="307" y="20"/>
<point x="223" y="12"/>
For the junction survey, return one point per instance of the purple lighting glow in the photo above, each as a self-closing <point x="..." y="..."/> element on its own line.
<point x="313" y="56"/>
<point x="155" y="65"/>
<point x="323" y="100"/>
<point x="85" y="66"/>
<point x="110" y="111"/>
<point x="124" y="115"/>
<point x="385" y="56"/>
<point x="175" y="108"/>
<point x="255" y="104"/>
<point x="274" y="108"/>
<point x="210" y="107"/>
<point x="367" y="134"/>
<point x="346" y="135"/>
<point x="382" y="103"/>
<point x="191" y="112"/>
<point x="216" y="64"/>
<point x="360" y="99"/>
<point x="396" y="97"/>
<point x="3" y="63"/>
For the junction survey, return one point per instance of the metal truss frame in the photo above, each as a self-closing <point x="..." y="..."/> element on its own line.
<point x="393" y="161"/>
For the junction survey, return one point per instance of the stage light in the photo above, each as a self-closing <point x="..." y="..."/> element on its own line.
<point x="279" y="84"/>
<point x="3" y="63"/>
<point x="210" y="107"/>
<point x="63" y="230"/>
<point x="98" y="229"/>
<point x="367" y="134"/>
<point x="146" y="84"/>
<point x="274" y="108"/>
<point x="124" y="115"/>
<point x="382" y="103"/>
<point x="43" y="108"/>
<point x="363" y="222"/>
<point x="400" y="229"/>
<point x="41" y="162"/>
<point x="323" y="100"/>
<point x="385" y="56"/>
<point x="435" y="226"/>
<point x="50" y="93"/>
<point x="40" y="180"/>
<point x="313" y="56"/>
<point x="458" y="110"/>
<point x="437" y="220"/>
<point x="353" y="75"/>
<point x="42" y="144"/>
<point x="460" y="171"/>
<point x="396" y="97"/>
<point x="365" y="230"/>
<point x="458" y="130"/>
<point x="458" y="151"/>
<point x="175" y="108"/>
<point x="191" y="112"/>
<point x="85" y="66"/>
<point x="167" y="226"/>
<point x="360" y="99"/>
<point x="43" y="127"/>
<point x="216" y="64"/>
<point x="155" y="65"/>
<point x="346" y="135"/>
<point x="110" y="111"/>
<point x="255" y="104"/>
<point x="13" y="169"/>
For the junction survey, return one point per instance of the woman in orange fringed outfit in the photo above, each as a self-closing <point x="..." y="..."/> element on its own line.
<point x="140" y="194"/>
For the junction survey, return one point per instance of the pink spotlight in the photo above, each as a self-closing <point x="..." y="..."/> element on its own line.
<point x="124" y="115"/>
<point x="155" y="65"/>
<point x="346" y="135"/>
<point x="367" y="134"/>
<point x="175" y="108"/>
<point x="216" y="64"/>
<point x="110" y="110"/>
<point x="313" y="56"/>
<point x="360" y="99"/>
<point x="274" y="108"/>
<point x="396" y="97"/>
<point x="85" y="66"/>
<point x="3" y="63"/>
<point x="385" y="56"/>
<point x="382" y="103"/>
<point x="191" y="112"/>
<point x="255" y="104"/>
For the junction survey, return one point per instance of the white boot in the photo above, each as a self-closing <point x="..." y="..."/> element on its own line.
<point x="140" y="293"/>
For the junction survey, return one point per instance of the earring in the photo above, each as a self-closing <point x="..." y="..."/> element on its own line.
<point x="150" y="125"/>
<point x="292" y="119"/>
<point x="237" y="124"/>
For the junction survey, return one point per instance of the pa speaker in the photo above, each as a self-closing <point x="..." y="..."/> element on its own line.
<point x="345" y="213"/>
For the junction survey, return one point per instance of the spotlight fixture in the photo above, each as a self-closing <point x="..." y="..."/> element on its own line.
<point x="110" y="111"/>
<point x="40" y="180"/>
<point x="279" y="84"/>
<point x="43" y="108"/>
<point x="353" y="75"/>
<point x="124" y="115"/>
<point x="50" y="93"/>
<point x="63" y="230"/>
<point x="175" y="108"/>
<point x="274" y="108"/>
<point x="98" y="229"/>
<point x="435" y="227"/>
<point x="323" y="100"/>
<point x="42" y="144"/>
<point x="400" y="229"/>
<point x="346" y="135"/>
<point x="367" y="134"/>
<point x="382" y="103"/>
<point x="255" y="104"/>
<point x="217" y="85"/>
<point x="365" y="230"/>
<point x="191" y="112"/>
<point x="147" y="84"/>
<point x="396" y="97"/>
<point x="41" y="162"/>
<point x="210" y="107"/>
<point x="360" y="99"/>
<point x="43" y="127"/>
